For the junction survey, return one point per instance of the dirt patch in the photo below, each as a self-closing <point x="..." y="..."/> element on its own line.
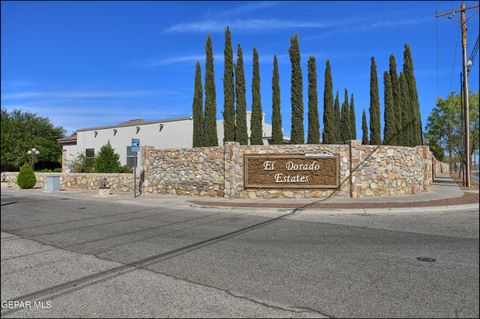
<point x="467" y="198"/>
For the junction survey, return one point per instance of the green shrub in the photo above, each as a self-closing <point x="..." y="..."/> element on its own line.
<point x="107" y="161"/>
<point x="57" y="170"/>
<point x="44" y="170"/>
<point x="26" y="177"/>
<point x="126" y="169"/>
<point x="81" y="164"/>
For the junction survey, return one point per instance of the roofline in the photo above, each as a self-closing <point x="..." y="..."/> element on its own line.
<point x="138" y="124"/>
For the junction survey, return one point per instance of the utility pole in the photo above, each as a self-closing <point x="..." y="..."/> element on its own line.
<point x="463" y="24"/>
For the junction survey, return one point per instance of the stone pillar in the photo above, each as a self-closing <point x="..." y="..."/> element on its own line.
<point x="354" y="160"/>
<point x="427" y="171"/>
<point x="231" y="163"/>
<point x="64" y="161"/>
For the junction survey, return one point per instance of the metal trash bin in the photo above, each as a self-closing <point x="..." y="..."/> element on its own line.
<point x="52" y="183"/>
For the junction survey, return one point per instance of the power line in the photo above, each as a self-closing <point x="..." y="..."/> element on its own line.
<point x="453" y="62"/>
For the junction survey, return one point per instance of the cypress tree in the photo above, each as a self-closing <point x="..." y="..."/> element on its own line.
<point x="277" y="133"/>
<point x="328" y="108"/>
<point x="256" y="119"/>
<point x="197" y="108"/>
<point x="389" y="115"/>
<point x="241" y="134"/>
<point x="338" y="136"/>
<point x="228" y="90"/>
<point x="345" y="130"/>
<point x="313" y="123"/>
<point x="397" y="140"/>
<point x="353" y="125"/>
<point x="364" y="129"/>
<point x="374" y="106"/>
<point x="210" y="131"/>
<point x="414" y="105"/>
<point x="407" y="127"/>
<point x="297" y="131"/>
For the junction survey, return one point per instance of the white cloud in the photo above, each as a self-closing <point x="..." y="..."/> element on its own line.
<point x="242" y="9"/>
<point x="74" y="94"/>
<point x="240" y="25"/>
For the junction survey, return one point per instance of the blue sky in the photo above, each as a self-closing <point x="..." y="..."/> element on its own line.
<point x="84" y="64"/>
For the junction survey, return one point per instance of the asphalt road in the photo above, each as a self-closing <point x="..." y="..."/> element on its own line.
<point x="94" y="258"/>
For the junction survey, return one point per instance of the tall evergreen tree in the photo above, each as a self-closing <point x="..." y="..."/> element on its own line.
<point x="353" y="125"/>
<point x="414" y="105"/>
<point x="313" y="123"/>
<point x="197" y="108"/>
<point x="210" y="131"/>
<point x="407" y="118"/>
<point x="297" y="131"/>
<point x="374" y="106"/>
<point x="397" y="140"/>
<point x="228" y="90"/>
<point x="338" y="136"/>
<point x="241" y="133"/>
<point x="389" y="113"/>
<point x="277" y="133"/>
<point x="256" y="135"/>
<point x="364" y="129"/>
<point x="328" y="108"/>
<point x="345" y="129"/>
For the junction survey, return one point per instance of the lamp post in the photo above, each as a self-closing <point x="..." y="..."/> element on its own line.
<point x="33" y="153"/>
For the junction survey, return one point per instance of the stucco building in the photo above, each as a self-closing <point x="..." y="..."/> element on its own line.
<point x="161" y="134"/>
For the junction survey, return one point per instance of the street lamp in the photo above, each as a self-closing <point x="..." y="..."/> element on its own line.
<point x="33" y="153"/>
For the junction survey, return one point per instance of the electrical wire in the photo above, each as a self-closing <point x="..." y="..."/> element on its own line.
<point x="453" y="63"/>
<point x="436" y="42"/>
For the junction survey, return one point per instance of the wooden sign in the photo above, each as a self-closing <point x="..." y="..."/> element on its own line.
<point x="291" y="171"/>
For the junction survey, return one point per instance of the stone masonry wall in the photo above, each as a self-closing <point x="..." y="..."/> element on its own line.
<point x="116" y="182"/>
<point x="197" y="171"/>
<point x="390" y="170"/>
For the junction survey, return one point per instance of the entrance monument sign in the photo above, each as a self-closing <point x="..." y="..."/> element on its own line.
<point x="291" y="171"/>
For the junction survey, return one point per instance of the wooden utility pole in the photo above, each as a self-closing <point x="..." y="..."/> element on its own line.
<point x="463" y="25"/>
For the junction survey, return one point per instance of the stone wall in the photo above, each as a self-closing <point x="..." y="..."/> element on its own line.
<point x="390" y="170"/>
<point x="197" y="171"/>
<point x="441" y="168"/>
<point x="116" y="182"/>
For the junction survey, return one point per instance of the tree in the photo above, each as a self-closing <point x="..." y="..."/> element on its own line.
<point x="364" y="129"/>
<point x="297" y="132"/>
<point x="256" y="135"/>
<point x="338" y="136"/>
<point x="345" y="130"/>
<point x="23" y="130"/>
<point x="397" y="140"/>
<point x="197" y="107"/>
<point x="414" y="105"/>
<point x="26" y="177"/>
<point x="328" y="108"/>
<point x="353" y="125"/>
<point x="228" y="90"/>
<point x="241" y="134"/>
<point x="374" y="106"/>
<point x="313" y="124"/>
<point x="107" y="161"/>
<point x="407" y="119"/>
<point x="389" y="115"/>
<point x="277" y="133"/>
<point x="210" y="118"/>
<point x="445" y="129"/>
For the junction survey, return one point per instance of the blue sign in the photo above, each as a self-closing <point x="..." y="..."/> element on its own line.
<point x="135" y="145"/>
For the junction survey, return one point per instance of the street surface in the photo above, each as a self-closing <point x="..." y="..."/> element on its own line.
<point x="95" y="258"/>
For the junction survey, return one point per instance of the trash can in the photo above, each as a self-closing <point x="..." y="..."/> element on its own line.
<point x="52" y="183"/>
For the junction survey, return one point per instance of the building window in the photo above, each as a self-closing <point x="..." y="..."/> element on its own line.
<point x="89" y="156"/>
<point x="131" y="157"/>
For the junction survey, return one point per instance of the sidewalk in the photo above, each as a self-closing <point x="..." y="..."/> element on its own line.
<point x="444" y="192"/>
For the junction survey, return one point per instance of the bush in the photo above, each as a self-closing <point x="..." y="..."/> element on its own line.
<point x="57" y="170"/>
<point x="107" y="161"/>
<point x="126" y="169"/>
<point x="26" y="177"/>
<point x="81" y="164"/>
<point x="44" y="170"/>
